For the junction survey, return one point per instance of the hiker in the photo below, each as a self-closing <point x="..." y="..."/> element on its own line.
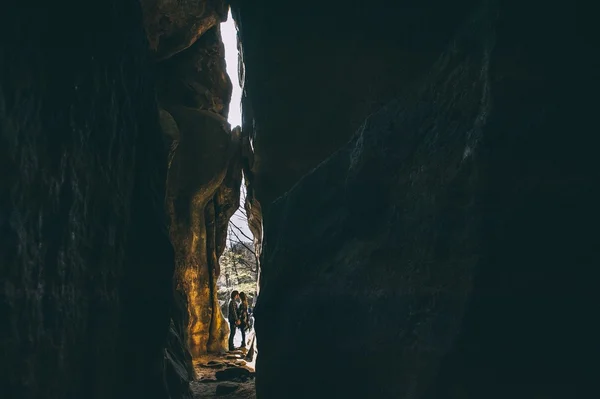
<point x="234" y="319"/>
<point x="243" y="315"/>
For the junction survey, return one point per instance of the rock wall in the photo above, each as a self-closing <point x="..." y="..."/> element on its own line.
<point x="85" y="258"/>
<point x="205" y="174"/>
<point x="445" y="251"/>
<point x="93" y="303"/>
<point x="313" y="74"/>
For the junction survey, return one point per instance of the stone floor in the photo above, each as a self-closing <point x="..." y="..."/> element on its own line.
<point x="226" y="375"/>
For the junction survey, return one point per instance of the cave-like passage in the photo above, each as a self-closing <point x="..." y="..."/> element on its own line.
<point x="237" y="263"/>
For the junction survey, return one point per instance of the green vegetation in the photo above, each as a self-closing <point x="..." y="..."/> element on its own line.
<point x="239" y="271"/>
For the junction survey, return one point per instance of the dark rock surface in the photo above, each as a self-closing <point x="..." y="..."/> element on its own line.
<point x="179" y="370"/>
<point x="214" y="362"/>
<point x="85" y="258"/>
<point x="313" y="73"/>
<point x="447" y="250"/>
<point x="233" y="374"/>
<point x="196" y="78"/>
<point x="226" y="387"/>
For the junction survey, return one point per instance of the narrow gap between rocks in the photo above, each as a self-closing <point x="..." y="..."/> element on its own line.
<point x="231" y="374"/>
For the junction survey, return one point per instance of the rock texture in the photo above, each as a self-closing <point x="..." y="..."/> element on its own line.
<point x="203" y="185"/>
<point x="219" y="377"/>
<point x="446" y="250"/>
<point x="85" y="258"/>
<point x="196" y="77"/>
<point x="194" y="91"/>
<point x="174" y="25"/>
<point x="205" y="174"/>
<point x="226" y="388"/>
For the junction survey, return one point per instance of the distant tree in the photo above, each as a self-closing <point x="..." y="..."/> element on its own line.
<point x="239" y="263"/>
<point x="239" y="258"/>
<point x="238" y="270"/>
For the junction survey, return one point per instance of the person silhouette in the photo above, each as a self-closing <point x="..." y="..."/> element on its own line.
<point x="234" y="319"/>
<point x="243" y="316"/>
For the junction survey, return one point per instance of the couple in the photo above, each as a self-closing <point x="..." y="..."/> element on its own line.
<point x="238" y="317"/>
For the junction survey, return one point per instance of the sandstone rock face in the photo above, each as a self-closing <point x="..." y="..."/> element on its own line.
<point x="197" y="174"/>
<point x="194" y="87"/>
<point x="194" y="92"/>
<point x="446" y="250"/>
<point x="85" y="259"/>
<point x="204" y="180"/>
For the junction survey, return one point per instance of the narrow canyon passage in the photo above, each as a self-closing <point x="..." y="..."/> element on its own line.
<point x="406" y="192"/>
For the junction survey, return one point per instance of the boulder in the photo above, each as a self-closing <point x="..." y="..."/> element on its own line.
<point x="233" y="373"/>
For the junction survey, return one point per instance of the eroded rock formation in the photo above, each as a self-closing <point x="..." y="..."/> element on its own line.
<point x="428" y="256"/>
<point x="200" y="195"/>
<point x="194" y="92"/>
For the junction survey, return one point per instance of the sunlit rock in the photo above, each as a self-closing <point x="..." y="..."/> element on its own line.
<point x="198" y="170"/>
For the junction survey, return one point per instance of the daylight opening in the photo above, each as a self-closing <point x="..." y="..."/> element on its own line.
<point x="238" y="263"/>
